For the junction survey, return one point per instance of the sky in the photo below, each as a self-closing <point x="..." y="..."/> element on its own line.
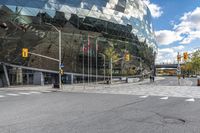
<point x="177" y="27"/>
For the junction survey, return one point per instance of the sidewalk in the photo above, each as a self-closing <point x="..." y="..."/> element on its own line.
<point x="28" y="87"/>
<point x="69" y="87"/>
<point x="147" y="90"/>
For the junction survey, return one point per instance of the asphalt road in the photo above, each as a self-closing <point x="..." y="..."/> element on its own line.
<point x="63" y="112"/>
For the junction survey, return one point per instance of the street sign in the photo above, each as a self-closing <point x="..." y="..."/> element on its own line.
<point x="178" y="72"/>
<point x="62" y="65"/>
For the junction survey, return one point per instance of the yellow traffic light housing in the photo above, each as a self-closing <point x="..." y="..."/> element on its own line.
<point x="127" y="57"/>
<point x="25" y="52"/>
<point x="185" y="56"/>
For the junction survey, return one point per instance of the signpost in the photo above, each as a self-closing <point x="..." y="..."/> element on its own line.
<point x="179" y="68"/>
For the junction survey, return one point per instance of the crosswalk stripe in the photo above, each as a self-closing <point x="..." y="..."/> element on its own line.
<point x="46" y="91"/>
<point x="190" y="100"/>
<point x="12" y="94"/>
<point x="144" y="96"/>
<point x="1" y="96"/>
<point x="24" y="93"/>
<point x="35" y="92"/>
<point x="164" y="98"/>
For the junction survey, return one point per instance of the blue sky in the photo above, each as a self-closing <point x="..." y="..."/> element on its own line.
<point x="177" y="27"/>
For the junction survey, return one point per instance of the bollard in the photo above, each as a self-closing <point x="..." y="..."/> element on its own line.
<point x="198" y="82"/>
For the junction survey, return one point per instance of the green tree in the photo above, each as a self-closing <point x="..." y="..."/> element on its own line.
<point x="111" y="53"/>
<point x="195" y="61"/>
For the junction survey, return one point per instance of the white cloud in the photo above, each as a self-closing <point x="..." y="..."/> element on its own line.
<point x="168" y="55"/>
<point x="185" y="32"/>
<point x="156" y="10"/>
<point x="189" y="27"/>
<point x="166" y="37"/>
<point x="165" y="55"/>
<point x="178" y="48"/>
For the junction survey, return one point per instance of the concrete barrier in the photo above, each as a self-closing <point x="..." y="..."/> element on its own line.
<point x="132" y="80"/>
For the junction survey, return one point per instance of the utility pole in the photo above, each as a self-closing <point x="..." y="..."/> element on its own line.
<point x="83" y="61"/>
<point x="178" y="68"/>
<point x="96" y="60"/>
<point x="88" y="49"/>
<point x="59" y="51"/>
<point x="111" y="67"/>
<point x="104" y="65"/>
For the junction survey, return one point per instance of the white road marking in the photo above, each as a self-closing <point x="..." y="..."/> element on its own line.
<point x="190" y="100"/>
<point x="144" y="96"/>
<point x="35" y="92"/>
<point x="1" y="96"/>
<point x="24" y="93"/>
<point x="46" y="91"/>
<point x="164" y="98"/>
<point x="12" y="94"/>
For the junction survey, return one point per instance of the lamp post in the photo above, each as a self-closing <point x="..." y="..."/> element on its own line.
<point x="111" y="67"/>
<point x="60" y="41"/>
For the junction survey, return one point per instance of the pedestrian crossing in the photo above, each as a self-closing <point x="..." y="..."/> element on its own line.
<point x="167" y="98"/>
<point x="23" y="93"/>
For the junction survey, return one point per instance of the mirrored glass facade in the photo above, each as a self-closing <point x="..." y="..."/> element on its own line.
<point x="122" y="25"/>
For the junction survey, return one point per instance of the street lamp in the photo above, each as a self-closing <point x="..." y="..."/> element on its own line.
<point x="59" y="33"/>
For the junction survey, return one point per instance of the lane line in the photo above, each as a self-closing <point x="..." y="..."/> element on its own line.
<point x="24" y="93"/>
<point x="145" y="96"/>
<point x="46" y="91"/>
<point x="164" y="98"/>
<point x="190" y="100"/>
<point x="2" y="96"/>
<point x="12" y="94"/>
<point x="35" y="92"/>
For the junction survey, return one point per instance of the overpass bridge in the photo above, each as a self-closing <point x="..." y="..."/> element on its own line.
<point x="166" y="66"/>
<point x="167" y="69"/>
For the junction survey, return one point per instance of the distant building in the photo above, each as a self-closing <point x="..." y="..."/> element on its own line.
<point x="89" y="28"/>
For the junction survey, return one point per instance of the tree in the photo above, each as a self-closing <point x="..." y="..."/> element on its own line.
<point x="195" y="61"/>
<point x="111" y="53"/>
<point x="193" y="65"/>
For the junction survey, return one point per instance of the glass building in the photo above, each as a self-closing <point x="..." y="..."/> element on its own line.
<point x="91" y="30"/>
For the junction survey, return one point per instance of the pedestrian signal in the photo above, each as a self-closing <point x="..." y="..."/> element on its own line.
<point x="178" y="57"/>
<point x="61" y="72"/>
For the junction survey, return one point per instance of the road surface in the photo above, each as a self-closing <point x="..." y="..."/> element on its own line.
<point x="64" y="112"/>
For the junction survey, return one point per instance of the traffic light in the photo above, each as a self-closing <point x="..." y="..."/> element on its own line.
<point x="185" y="56"/>
<point x="127" y="57"/>
<point x="25" y="52"/>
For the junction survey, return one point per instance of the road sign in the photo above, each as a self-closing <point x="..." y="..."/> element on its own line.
<point x="62" y="65"/>
<point x="178" y="72"/>
<point x="25" y="52"/>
